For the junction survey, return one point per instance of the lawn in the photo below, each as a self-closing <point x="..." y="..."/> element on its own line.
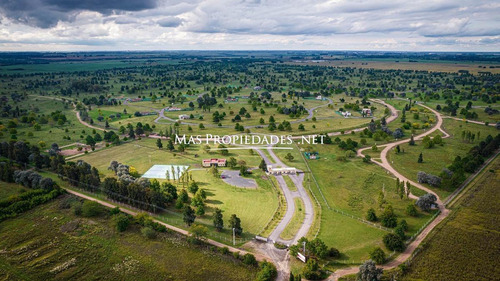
<point x="8" y="189"/>
<point x="466" y="245"/>
<point x="50" y="243"/>
<point x="294" y="225"/>
<point x="438" y="157"/>
<point x="255" y="207"/>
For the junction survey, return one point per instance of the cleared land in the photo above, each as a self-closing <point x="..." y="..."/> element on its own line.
<point x="50" y="243"/>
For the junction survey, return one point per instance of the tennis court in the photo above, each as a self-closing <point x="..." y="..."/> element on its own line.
<point x="162" y="171"/>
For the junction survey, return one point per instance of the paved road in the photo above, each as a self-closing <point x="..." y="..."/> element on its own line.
<point x="232" y="177"/>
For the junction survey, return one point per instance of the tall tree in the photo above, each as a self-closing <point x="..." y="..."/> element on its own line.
<point x="218" y="221"/>
<point x="235" y="222"/>
<point x="159" y="144"/>
<point x="188" y="215"/>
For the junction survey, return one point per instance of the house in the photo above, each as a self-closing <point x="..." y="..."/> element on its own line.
<point x="183" y="117"/>
<point x="346" y="114"/>
<point x="311" y="155"/>
<point x="257" y="88"/>
<point x="281" y="171"/>
<point x="172" y="108"/>
<point x="214" y="162"/>
<point x="146" y="113"/>
<point x="230" y="99"/>
<point x="366" y="112"/>
<point x="319" y="97"/>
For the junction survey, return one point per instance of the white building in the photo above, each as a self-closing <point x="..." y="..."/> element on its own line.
<point x="281" y="171"/>
<point x="346" y="114"/>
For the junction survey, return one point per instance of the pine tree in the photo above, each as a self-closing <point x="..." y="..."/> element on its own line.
<point x="159" y="144"/>
<point x="218" y="221"/>
<point x="420" y="158"/>
<point x="412" y="141"/>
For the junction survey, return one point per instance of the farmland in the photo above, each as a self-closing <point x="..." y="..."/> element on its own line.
<point x="464" y="240"/>
<point x="95" y="127"/>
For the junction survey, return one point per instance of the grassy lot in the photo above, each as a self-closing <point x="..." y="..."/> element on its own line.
<point x="8" y="189"/>
<point x="51" y="132"/>
<point x="255" y="207"/>
<point x="289" y="183"/>
<point x="466" y="245"/>
<point x="294" y="225"/>
<point x="39" y="241"/>
<point x="438" y="157"/>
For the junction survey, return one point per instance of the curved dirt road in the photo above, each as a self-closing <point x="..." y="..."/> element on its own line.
<point x="387" y="166"/>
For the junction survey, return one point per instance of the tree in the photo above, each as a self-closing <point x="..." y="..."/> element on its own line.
<point x="235" y="222"/>
<point x="370" y="215"/>
<point x="411" y="210"/>
<point x="89" y="140"/>
<point x="311" y="270"/>
<point x="426" y="201"/>
<point x="388" y="218"/>
<point x="217" y="219"/>
<point x="420" y="158"/>
<point x="159" y="144"/>
<point x="368" y="271"/>
<point x="249" y="259"/>
<point x="267" y="272"/>
<point x="393" y="242"/>
<point x="289" y="157"/>
<point x="121" y="222"/>
<point x="231" y="163"/>
<point x="412" y="141"/>
<point x="263" y="165"/>
<point x="193" y="187"/>
<point x="214" y="171"/>
<point x="378" y="255"/>
<point x="188" y="215"/>
<point x="170" y="145"/>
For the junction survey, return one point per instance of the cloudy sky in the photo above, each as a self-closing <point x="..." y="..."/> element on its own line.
<point x="416" y="25"/>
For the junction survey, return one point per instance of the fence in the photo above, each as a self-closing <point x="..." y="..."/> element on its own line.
<point x="101" y="193"/>
<point x="423" y="227"/>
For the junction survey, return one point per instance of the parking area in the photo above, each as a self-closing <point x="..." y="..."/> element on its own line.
<point x="232" y="177"/>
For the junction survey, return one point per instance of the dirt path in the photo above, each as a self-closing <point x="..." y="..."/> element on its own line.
<point x="470" y="121"/>
<point x="171" y="227"/>
<point x="387" y="166"/>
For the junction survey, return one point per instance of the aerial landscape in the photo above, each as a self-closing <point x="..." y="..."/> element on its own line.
<point x="220" y="149"/>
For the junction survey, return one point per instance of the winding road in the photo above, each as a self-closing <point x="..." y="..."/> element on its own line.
<point x="387" y="166"/>
<point x="280" y="257"/>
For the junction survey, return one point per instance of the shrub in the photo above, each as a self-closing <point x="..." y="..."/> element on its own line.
<point x="393" y="242"/>
<point x="91" y="209"/>
<point x="334" y="253"/>
<point x="249" y="259"/>
<point x="411" y="210"/>
<point x="378" y="256"/>
<point x="77" y="209"/>
<point x="121" y="222"/>
<point x="267" y="272"/>
<point x="148" y="232"/>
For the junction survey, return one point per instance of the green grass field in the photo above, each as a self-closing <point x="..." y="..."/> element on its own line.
<point x="52" y="243"/>
<point x="438" y="157"/>
<point x="294" y="225"/>
<point x="466" y="245"/>
<point x="232" y="200"/>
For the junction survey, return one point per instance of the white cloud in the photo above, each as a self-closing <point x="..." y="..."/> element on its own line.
<point x="239" y="24"/>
